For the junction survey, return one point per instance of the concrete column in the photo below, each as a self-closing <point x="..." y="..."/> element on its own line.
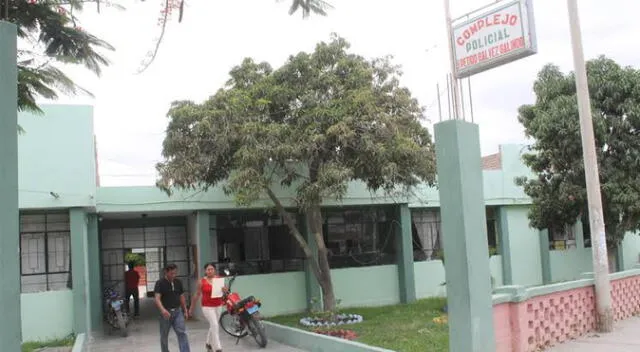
<point x="545" y="257"/>
<point x="620" y="256"/>
<point x="404" y="245"/>
<point x="79" y="270"/>
<point x="465" y="228"/>
<point x="203" y="233"/>
<point x="95" y="279"/>
<point x="10" y="324"/>
<point x="314" y="292"/>
<point x="579" y="233"/>
<point x="505" y="246"/>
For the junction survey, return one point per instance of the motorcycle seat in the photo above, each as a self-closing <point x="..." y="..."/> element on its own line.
<point x="243" y="302"/>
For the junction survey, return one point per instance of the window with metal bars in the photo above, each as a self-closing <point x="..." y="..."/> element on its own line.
<point x="256" y="243"/>
<point x="427" y="233"/>
<point x="359" y="237"/>
<point x="562" y="237"/>
<point x="45" y="251"/>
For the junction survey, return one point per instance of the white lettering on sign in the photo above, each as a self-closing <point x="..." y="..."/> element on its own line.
<point x="491" y="39"/>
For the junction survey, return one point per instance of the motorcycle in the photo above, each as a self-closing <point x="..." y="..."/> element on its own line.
<point x="244" y="315"/>
<point x="115" y="315"/>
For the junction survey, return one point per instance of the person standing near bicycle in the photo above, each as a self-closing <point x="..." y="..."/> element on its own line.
<point x="211" y="304"/>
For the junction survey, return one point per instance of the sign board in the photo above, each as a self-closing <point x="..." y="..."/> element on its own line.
<point x="493" y="36"/>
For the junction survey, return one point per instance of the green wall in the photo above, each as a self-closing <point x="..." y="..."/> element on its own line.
<point x="569" y="264"/>
<point x="524" y="247"/>
<point x="47" y="315"/>
<point x="366" y="286"/>
<point x="57" y="154"/>
<point x="631" y="250"/>
<point x="281" y="293"/>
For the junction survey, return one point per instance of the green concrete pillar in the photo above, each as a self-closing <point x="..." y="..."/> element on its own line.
<point x="620" y="257"/>
<point x="79" y="272"/>
<point x="11" y="322"/>
<point x="465" y="228"/>
<point x="404" y="245"/>
<point x="545" y="257"/>
<point x="579" y="233"/>
<point x="203" y="231"/>
<point x="95" y="280"/>
<point x="505" y="246"/>
<point x="314" y="292"/>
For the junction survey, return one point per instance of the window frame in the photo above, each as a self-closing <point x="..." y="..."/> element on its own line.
<point x="45" y="236"/>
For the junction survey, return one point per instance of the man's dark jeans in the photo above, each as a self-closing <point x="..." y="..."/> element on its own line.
<point x="136" y="300"/>
<point x="176" y="321"/>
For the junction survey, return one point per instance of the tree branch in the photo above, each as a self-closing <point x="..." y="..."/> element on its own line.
<point x="294" y="232"/>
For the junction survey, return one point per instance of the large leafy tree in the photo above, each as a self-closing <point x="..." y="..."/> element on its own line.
<point x="52" y="30"/>
<point x="559" y="192"/>
<point x="313" y="125"/>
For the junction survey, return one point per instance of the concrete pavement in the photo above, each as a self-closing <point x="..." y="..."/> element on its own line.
<point x="625" y="338"/>
<point x="144" y="337"/>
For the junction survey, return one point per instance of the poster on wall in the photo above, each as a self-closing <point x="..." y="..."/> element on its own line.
<point x="493" y="36"/>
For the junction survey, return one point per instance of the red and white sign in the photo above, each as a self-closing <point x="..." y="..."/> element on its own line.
<point x="494" y="37"/>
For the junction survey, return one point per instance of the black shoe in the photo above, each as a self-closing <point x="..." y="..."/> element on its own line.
<point x="208" y="347"/>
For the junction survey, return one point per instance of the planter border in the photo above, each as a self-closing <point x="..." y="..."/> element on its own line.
<point x="80" y="343"/>
<point x="353" y="319"/>
<point x="310" y="341"/>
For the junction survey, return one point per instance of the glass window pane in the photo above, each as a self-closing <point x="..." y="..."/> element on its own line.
<point x="59" y="251"/>
<point x="33" y="283"/>
<point x="32" y="253"/>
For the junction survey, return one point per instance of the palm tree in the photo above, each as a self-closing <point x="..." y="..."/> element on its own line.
<point x="50" y="27"/>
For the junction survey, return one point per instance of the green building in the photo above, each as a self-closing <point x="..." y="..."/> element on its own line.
<point x="75" y="234"/>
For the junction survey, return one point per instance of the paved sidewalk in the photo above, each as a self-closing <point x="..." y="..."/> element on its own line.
<point x="144" y="336"/>
<point x="625" y="338"/>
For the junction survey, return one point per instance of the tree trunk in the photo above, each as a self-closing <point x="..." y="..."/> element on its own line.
<point x="314" y="218"/>
<point x="319" y="267"/>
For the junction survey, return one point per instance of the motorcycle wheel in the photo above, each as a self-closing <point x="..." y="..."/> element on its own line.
<point x="122" y="324"/>
<point x="257" y="330"/>
<point x="232" y="325"/>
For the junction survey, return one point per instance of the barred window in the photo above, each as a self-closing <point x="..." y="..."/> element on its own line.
<point x="359" y="237"/>
<point x="45" y="252"/>
<point x="562" y="237"/>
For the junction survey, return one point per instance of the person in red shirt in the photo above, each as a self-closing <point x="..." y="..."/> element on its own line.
<point x="132" y="280"/>
<point x="210" y="306"/>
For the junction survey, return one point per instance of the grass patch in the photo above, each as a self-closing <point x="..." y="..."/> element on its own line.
<point x="33" y="346"/>
<point x="402" y="328"/>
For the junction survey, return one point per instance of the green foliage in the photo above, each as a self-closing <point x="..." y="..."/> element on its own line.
<point x="558" y="192"/>
<point x="33" y="346"/>
<point x="316" y="123"/>
<point x="50" y="27"/>
<point x="327" y="314"/>
<point x="135" y="259"/>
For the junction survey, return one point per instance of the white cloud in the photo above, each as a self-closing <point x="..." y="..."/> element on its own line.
<point x="197" y="54"/>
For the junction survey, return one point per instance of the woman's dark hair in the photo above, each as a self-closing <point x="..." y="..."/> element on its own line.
<point x="209" y="264"/>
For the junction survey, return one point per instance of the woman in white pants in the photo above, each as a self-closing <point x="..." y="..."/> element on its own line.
<point x="211" y="303"/>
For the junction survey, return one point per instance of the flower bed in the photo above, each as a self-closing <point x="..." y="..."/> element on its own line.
<point x="336" y="320"/>
<point x="343" y="334"/>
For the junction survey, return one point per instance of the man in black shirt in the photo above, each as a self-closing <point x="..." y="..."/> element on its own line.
<point x="172" y="304"/>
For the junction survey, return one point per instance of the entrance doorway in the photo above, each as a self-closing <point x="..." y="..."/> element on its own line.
<point x="149" y="242"/>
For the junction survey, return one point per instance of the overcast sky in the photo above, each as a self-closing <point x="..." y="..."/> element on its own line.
<point x="196" y="55"/>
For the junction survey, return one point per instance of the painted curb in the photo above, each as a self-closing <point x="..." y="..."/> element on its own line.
<point x="79" y="345"/>
<point x="312" y="342"/>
